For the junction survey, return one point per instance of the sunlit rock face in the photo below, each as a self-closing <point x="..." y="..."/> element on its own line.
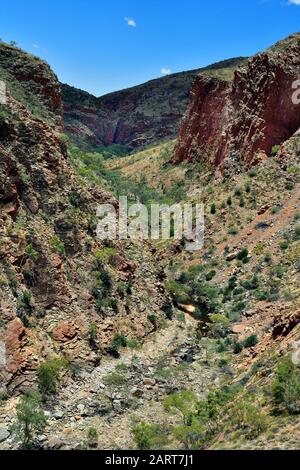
<point x="243" y="120"/>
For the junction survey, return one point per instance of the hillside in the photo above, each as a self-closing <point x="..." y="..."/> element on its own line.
<point x="145" y="345"/>
<point x="136" y="117"/>
<point x="58" y="283"/>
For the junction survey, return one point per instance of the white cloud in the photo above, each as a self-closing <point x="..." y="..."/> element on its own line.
<point x="165" y="71"/>
<point x="294" y="2"/>
<point x="36" y="46"/>
<point x="130" y="21"/>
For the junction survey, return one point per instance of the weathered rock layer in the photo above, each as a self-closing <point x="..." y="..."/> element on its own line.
<point x="242" y="121"/>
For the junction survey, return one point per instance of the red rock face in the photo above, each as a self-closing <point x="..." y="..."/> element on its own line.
<point x="15" y="338"/>
<point x="201" y="128"/>
<point x="245" y="119"/>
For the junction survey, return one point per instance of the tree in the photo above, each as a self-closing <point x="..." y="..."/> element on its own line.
<point x="249" y="418"/>
<point x="192" y="436"/>
<point x="183" y="402"/>
<point x="30" y="418"/>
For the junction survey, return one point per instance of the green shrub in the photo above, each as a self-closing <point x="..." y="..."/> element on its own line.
<point x="179" y="292"/>
<point x="262" y="225"/>
<point x="92" y="438"/>
<point x="243" y="255"/>
<point x="252" y="283"/>
<point x="119" y="341"/>
<point x="297" y="217"/>
<point x="93" y="335"/>
<point x="237" y="348"/>
<point x="249" y="419"/>
<point x="115" y="379"/>
<point x="150" y="436"/>
<point x="285" y="388"/>
<point x="30" y="419"/>
<point x="26" y="298"/>
<point x="284" y="245"/>
<point x="31" y="253"/>
<point x="152" y="319"/>
<point x="191" y="436"/>
<point x="105" y="254"/>
<point x="168" y="309"/>
<point x="251" y="341"/>
<point x="296" y="234"/>
<point x="252" y="173"/>
<point x="24" y="308"/>
<point x="275" y="150"/>
<point x="219" y="326"/>
<point x="213" y="208"/>
<point x="48" y="374"/>
<point x="210" y="275"/>
<point x="206" y="297"/>
<point x="182" y="403"/>
<point x="268" y="258"/>
<point x="232" y="231"/>
<point x="77" y="200"/>
<point x="261" y="295"/>
<point x="57" y="245"/>
<point x="133" y="344"/>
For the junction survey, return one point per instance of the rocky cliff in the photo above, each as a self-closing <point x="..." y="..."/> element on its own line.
<point x="62" y="293"/>
<point x="243" y="120"/>
<point x="139" y="116"/>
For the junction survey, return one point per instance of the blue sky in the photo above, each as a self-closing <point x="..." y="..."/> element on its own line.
<point x="102" y="46"/>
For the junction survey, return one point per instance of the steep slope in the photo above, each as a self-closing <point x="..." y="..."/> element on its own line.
<point x="243" y="292"/>
<point x="243" y="121"/>
<point x="139" y="116"/>
<point x="62" y="293"/>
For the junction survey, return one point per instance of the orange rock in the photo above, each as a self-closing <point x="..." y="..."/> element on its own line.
<point x="14" y="335"/>
<point x="64" y="331"/>
<point x="14" y="341"/>
<point x="56" y="261"/>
